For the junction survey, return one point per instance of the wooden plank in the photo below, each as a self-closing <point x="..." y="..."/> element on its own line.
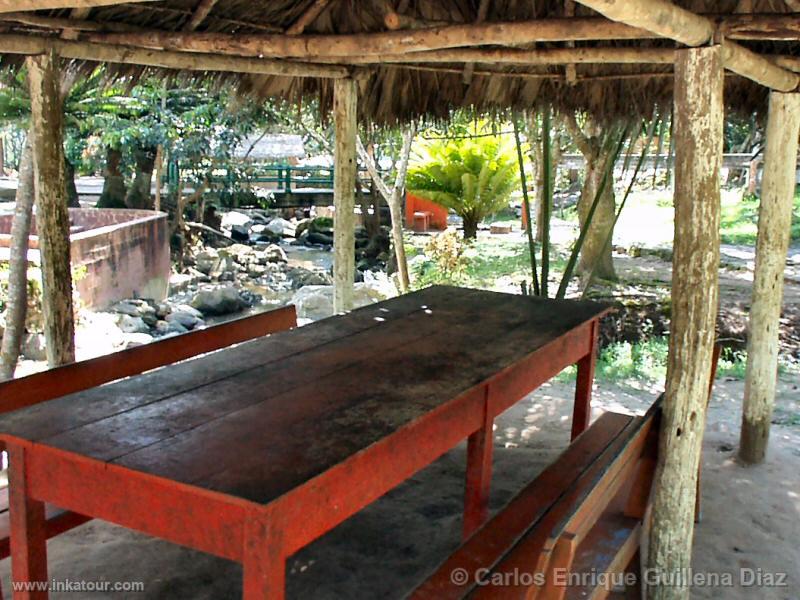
<point x="115" y="436"/>
<point x="345" y="113"/>
<point x="134" y="500"/>
<point x="71" y="411"/>
<point x="67" y="379"/>
<point x="324" y="426"/>
<point x="594" y="482"/>
<point x="500" y="534"/>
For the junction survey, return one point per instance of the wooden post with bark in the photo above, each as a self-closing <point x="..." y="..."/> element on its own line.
<point x="17" y="304"/>
<point x="344" y="186"/>
<point x="698" y="158"/>
<point x="774" y="223"/>
<point x="52" y="217"/>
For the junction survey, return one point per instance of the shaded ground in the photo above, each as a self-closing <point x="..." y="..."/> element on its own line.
<point x="751" y="515"/>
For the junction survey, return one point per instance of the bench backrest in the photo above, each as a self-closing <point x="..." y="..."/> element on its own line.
<point x="79" y="376"/>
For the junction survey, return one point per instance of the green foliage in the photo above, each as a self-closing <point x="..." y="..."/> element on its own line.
<point x="739" y="220"/>
<point x="473" y="176"/>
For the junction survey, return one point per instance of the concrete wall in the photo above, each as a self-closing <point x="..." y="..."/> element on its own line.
<point x="116" y="253"/>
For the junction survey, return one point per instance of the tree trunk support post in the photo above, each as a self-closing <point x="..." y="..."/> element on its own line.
<point x="698" y="128"/>
<point x="774" y="222"/>
<point x="344" y="185"/>
<point x="52" y="216"/>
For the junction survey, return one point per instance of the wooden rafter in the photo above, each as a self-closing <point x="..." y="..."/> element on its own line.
<point x="393" y="42"/>
<point x="33" y="45"/>
<point x="200" y="14"/>
<point x="305" y="19"/>
<point x="23" y="5"/>
<point x="676" y="23"/>
<point x="71" y="23"/>
<point x="469" y="68"/>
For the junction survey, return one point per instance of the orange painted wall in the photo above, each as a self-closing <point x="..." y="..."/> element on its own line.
<point x="417" y="204"/>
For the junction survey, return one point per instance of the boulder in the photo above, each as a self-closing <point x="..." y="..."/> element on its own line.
<point x="300" y="277"/>
<point x="206" y="261"/>
<point x="240" y="234"/>
<point x="235" y="218"/>
<point x="33" y="346"/>
<point x="221" y="300"/>
<point x="316" y="301"/>
<point x="275" y="254"/>
<point x="137" y="339"/>
<point x="127" y="307"/>
<point x="281" y="227"/>
<point x="130" y="324"/>
<point x="184" y="319"/>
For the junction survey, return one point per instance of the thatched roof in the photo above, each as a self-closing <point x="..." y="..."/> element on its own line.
<point x="396" y="92"/>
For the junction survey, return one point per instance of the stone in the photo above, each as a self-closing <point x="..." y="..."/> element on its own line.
<point x="319" y="239"/>
<point x="316" y="301"/>
<point x="281" y="227"/>
<point x="235" y="218"/>
<point x="275" y="254"/>
<point x="33" y="346"/>
<point x="184" y="319"/>
<point x="255" y="271"/>
<point x="206" y="261"/>
<point x="130" y="324"/>
<point x="185" y="308"/>
<point x="137" y="339"/>
<point x="301" y="226"/>
<point x="163" y="309"/>
<point x="127" y="307"/>
<point x="240" y="234"/>
<point x="300" y="277"/>
<point x="221" y="300"/>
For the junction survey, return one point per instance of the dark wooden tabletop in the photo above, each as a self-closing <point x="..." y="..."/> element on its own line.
<point x="261" y="418"/>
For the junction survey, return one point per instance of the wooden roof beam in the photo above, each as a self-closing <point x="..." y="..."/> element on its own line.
<point x="184" y="61"/>
<point x="23" y="5"/>
<point x="200" y="14"/>
<point x="670" y="21"/>
<point x="308" y="17"/>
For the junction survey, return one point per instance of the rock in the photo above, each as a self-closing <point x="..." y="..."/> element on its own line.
<point x="206" y="260"/>
<point x="130" y="324"/>
<point x="255" y="271"/>
<point x="235" y="218"/>
<point x="500" y="228"/>
<point x="300" y="277"/>
<point x="221" y="300"/>
<point x="184" y="319"/>
<point x="316" y="301"/>
<point x="127" y="307"/>
<point x="33" y="346"/>
<point x="281" y="227"/>
<point x="240" y="234"/>
<point x="275" y="254"/>
<point x="163" y="309"/>
<point x="185" y="308"/>
<point x="302" y="226"/>
<point x="137" y="339"/>
<point x="319" y="239"/>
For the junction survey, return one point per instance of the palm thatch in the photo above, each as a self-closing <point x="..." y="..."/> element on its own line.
<point x="390" y="93"/>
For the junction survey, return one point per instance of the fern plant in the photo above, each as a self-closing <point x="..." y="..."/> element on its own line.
<point x="474" y="175"/>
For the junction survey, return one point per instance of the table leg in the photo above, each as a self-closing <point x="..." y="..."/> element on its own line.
<point x="264" y="564"/>
<point x="582" y="410"/>
<point x="479" y="476"/>
<point x="28" y="535"/>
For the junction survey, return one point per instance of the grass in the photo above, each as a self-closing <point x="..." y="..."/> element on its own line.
<point x="739" y="219"/>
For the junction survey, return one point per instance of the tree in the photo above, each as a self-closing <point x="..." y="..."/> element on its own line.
<point x="594" y="142"/>
<point x="474" y="174"/>
<point x="17" y="291"/>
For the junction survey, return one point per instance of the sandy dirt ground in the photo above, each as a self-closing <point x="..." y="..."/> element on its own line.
<point x="751" y="515"/>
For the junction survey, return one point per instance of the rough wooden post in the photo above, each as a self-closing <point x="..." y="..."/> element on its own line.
<point x="52" y="217"/>
<point x="344" y="198"/>
<point x="698" y="158"/>
<point x="774" y="222"/>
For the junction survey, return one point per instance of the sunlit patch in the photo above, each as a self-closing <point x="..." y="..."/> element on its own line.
<point x="428" y="311"/>
<point x="379" y="318"/>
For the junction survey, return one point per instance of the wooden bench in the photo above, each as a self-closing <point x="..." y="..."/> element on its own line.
<point x="584" y="512"/>
<point x="79" y="376"/>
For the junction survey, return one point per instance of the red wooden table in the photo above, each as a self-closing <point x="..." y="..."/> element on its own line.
<point x="252" y="452"/>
